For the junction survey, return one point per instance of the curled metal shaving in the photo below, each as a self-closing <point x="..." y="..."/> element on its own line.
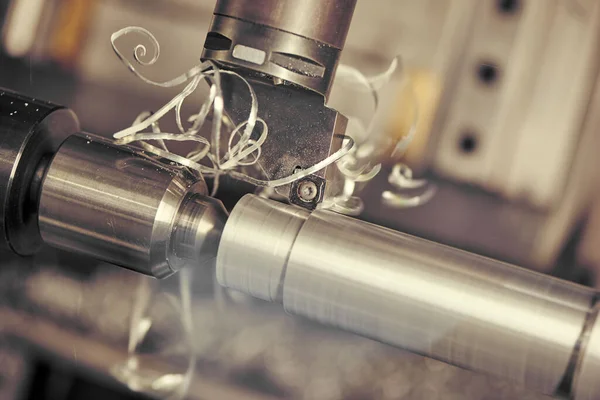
<point x="360" y="165"/>
<point x="131" y="372"/>
<point x="401" y="179"/>
<point x="242" y="149"/>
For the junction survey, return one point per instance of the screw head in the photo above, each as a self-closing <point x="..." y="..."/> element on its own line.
<point x="307" y="191"/>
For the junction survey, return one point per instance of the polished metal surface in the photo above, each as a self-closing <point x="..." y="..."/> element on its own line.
<point x="326" y="21"/>
<point x="454" y="306"/>
<point x="298" y="42"/>
<point x="30" y="131"/>
<point x="86" y="194"/>
<point x="197" y="230"/>
<point x="255" y="246"/>
<point x="114" y="204"/>
<point x="587" y="373"/>
<point x="460" y="308"/>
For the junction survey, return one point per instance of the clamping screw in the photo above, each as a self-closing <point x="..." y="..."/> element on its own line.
<point x="307" y="191"/>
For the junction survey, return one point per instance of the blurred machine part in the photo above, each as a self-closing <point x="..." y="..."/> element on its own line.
<point x="508" y="100"/>
<point x="523" y="119"/>
<point x="20" y="32"/>
<point x="522" y="98"/>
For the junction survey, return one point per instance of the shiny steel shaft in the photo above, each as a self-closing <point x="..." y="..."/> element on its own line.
<point x="447" y="304"/>
<point x="116" y="204"/>
<point x="86" y="194"/>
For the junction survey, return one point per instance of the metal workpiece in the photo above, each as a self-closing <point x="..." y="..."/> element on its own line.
<point x="119" y="205"/>
<point x="446" y="304"/>
<point x="463" y="309"/>
<point x="255" y="246"/>
<point x="298" y="42"/>
<point x="30" y="132"/>
<point x="86" y="194"/>
<point x="197" y="230"/>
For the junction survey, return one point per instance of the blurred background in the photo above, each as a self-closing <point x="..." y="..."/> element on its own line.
<point x="508" y="130"/>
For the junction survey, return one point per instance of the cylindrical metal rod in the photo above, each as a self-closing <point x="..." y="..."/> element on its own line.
<point x="86" y="194"/>
<point x="116" y="204"/>
<point x="447" y="304"/>
<point x="109" y="203"/>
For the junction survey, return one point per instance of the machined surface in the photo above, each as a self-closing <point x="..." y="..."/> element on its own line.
<point x="254" y="261"/>
<point x="30" y="130"/>
<point x="466" y="310"/>
<point x="113" y="203"/>
<point x="326" y="21"/>
<point x="197" y="231"/>
<point x="463" y="309"/>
